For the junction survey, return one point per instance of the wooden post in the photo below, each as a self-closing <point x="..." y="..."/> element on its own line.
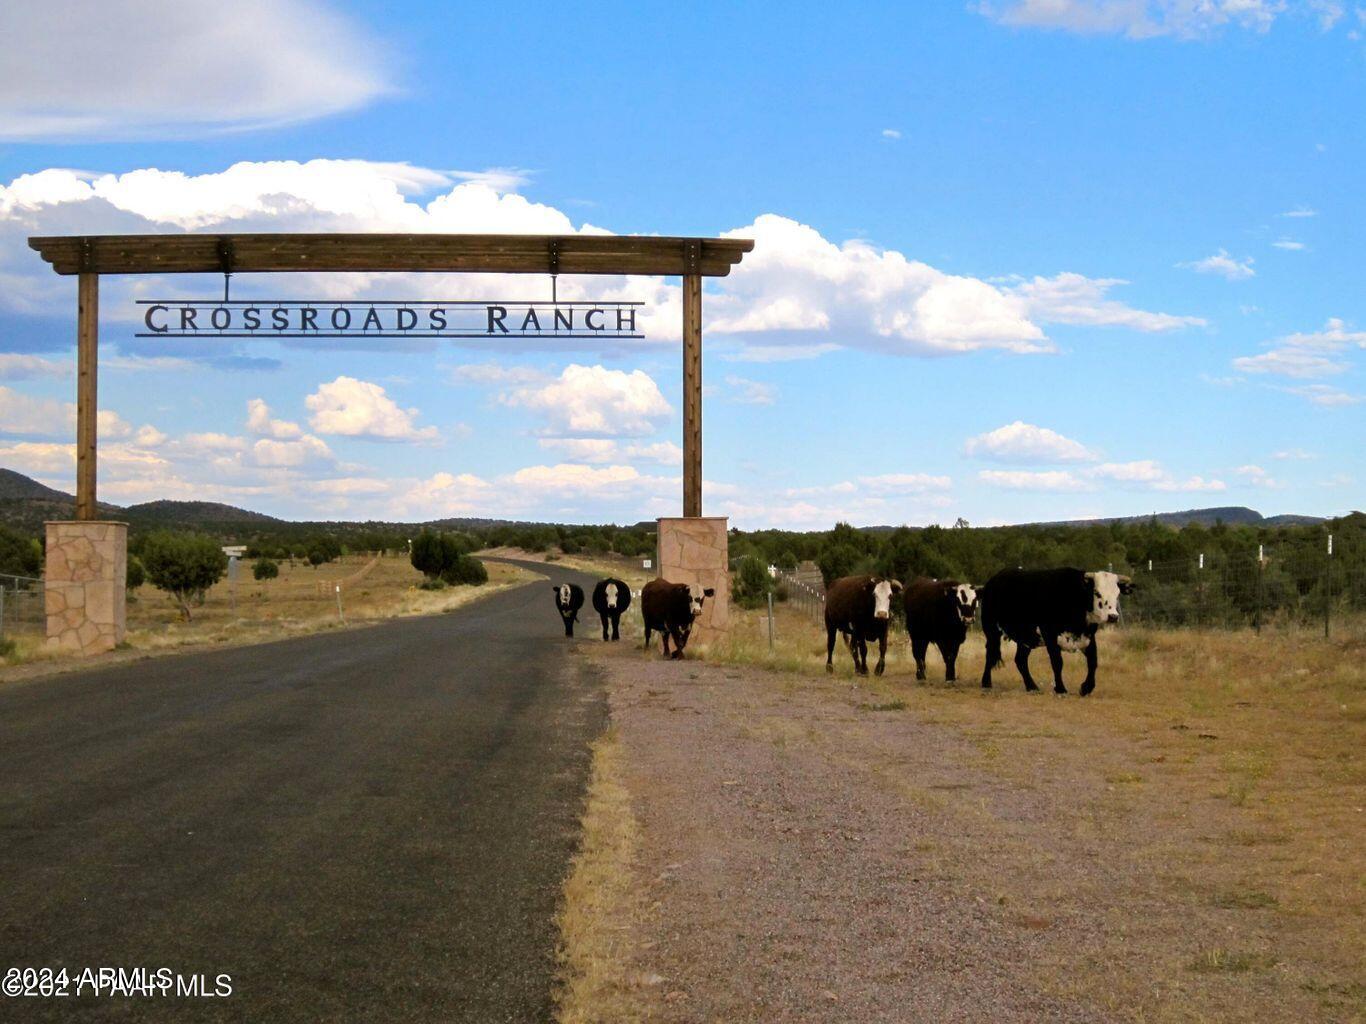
<point x="87" y="353"/>
<point x="692" y="395"/>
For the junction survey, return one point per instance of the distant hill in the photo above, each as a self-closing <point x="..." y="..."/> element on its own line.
<point x="26" y="504"/>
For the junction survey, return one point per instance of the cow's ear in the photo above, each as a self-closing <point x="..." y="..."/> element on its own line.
<point x="1126" y="585"/>
<point x="896" y="586"/>
<point x="709" y="592"/>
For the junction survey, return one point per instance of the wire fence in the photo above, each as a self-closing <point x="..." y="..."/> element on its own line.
<point x="21" y="606"/>
<point x="1224" y="591"/>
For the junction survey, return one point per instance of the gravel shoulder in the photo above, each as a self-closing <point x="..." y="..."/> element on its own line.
<point x="808" y="850"/>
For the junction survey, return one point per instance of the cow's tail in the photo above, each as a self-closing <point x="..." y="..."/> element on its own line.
<point x="993" y="634"/>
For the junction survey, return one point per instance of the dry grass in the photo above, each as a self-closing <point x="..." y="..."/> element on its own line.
<point x="602" y="903"/>
<point x="300" y="600"/>
<point x="1218" y="776"/>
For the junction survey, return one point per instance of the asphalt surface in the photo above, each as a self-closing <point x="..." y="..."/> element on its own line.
<point x="370" y="825"/>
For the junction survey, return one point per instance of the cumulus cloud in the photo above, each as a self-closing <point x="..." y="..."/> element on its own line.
<point x="20" y="366"/>
<point x="27" y="415"/>
<point x="1148" y="19"/>
<point x="1256" y="476"/>
<point x="1326" y="395"/>
<point x="1224" y="265"/>
<point x="156" y="68"/>
<point x="593" y="401"/>
<point x="1144" y="474"/>
<point x="603" y="449"/>
<point x="260" y="422"/>
<point x="1025" y="442"/>
<point x="1289" y="245"/>
<point x="1307" y="355"/>
<point x="750" y="392"/>
<point x="358" y="408"/>
<point x="797" y="294"/>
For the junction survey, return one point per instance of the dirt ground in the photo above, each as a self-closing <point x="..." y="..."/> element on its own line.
<point x="1186" y="845"/>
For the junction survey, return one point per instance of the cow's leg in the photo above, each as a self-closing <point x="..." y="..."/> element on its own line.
<point x="603" y="616"/>
<point x="1050" y="644"/>
<point x="665" y="634"/>
<point x="647" y="636"/>
<point x="860" y="651"/>
<point x="993" y="653"/>
<point x="919" y="646"/>
<point x="678" y="647"/>
<point x="881" y="653"/>
<point x="1090" y="683"/>
<point x="569" y="625"/>
<point x="830" y="647"/>
<point x="949" y="652"/>
<point x="1022" y="663"/>
<point x="616" y="626"/>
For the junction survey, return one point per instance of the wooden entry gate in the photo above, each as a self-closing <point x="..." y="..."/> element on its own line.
<point x="89" y="257"/>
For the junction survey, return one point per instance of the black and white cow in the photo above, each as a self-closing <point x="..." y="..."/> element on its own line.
<point x="611" y="598"/>
<point x="860" y="607"/>
<point x="670" y="609"/>
<point x="939" y="612"/>
<point x="568" y="601"/>
<point x="1060" y="609"/>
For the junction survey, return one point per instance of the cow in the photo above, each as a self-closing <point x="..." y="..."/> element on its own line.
<point x="1062" y="609"/>
<point x="568" y="601"/>
<point x="670" y="608"/>
<point x="939" y="612"/>
<point x="611" y="598"/>
<point x="860" y="607"/>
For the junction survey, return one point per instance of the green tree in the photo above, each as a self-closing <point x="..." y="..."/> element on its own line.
<point x="136" y="574"/>
<point x="19" y="555"/>
<point x="265" y="569"/>
<point x="838" y="559"/>
<point x="184" y="565"/>
<point x="465" y="570"/>
<point x="751" y="583"/>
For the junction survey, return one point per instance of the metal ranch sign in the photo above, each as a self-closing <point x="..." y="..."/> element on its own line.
<point x="219" y="318"/>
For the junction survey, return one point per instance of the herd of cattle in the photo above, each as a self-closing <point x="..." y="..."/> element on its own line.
<point x="1057" y="609"/>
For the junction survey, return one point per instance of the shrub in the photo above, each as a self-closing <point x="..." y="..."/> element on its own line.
<point x="752" y="583"/>
<point x="465" y="569"/>
<point x="838" y="559"/>
<point x="265" y="569"/>
<point x="19" y="555"/>
<point x="185" y="565"/>
<point x="137" y="575"/>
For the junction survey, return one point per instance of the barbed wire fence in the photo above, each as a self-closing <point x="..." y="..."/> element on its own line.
<point x="1226" y="590"/>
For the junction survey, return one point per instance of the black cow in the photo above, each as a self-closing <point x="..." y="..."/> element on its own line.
<point x="611" y="598"/>
<point x="859" y="607"/>
<point x="568" y="601"/>
<point x="938" y="612"/>
<point x="1059" y="608"/>
<point x="670" y="608"/>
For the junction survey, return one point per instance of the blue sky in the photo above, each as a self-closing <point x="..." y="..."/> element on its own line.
<point x="1027" y="259"/>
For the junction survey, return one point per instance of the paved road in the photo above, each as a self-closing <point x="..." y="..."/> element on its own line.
<point x="367" y="825"/>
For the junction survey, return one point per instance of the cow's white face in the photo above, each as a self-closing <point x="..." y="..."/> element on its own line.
<point x="882" y="598"/>
<point x="1105" y="598"/>
<point x="967" y="601"/>
<point x="696" y="595"/>
<point x="564" y="596"/>
<point x="611" y="593"/>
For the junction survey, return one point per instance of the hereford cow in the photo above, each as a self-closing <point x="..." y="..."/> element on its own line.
<point x="568" y="601"/>
<point x="611" y="597"/>
<point x="939" y="612"/>
<point x="860" y="607"/>
<point x="670" y="608"/>
<point x="1059" y="608"/>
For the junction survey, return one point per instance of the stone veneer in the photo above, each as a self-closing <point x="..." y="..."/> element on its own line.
<point x="697" y="550"/>
<point x="85" y="585"/>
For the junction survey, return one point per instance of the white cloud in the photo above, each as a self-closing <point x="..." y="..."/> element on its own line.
<point x="26" y="415"/>
<point x="1151" y="475"/>
<point x="1307" y="355"/>
<point x="1323" y="394"/>
<point x="905" y="483"/>
<point x="891" y="133"/>
<point x="1256" y="476"/>
<point x="1025" y="442"/>
<point x="796" y="295"/>
<point x="1148" y="19"/>
<point x="358" y="408"/>
<point x="603" y="449"/>
<point x="592" y="401"/>
<point x="1289" y="245"/>
<point x="779" y="353"/>
<point x="260" y="422"/>
<point x="751" y="392"/>
<point x="304" y="451"/>
<point x="1301" y="211"/>
<point x="1221" y="263"/>
<point x="1074" y="299"/>
<point x="20" y="366"/>
<point x="1294" y="454"/>
<point x="495" y="373"/>
<point x="156" y="68"/>
<point x="1033" y="480"/>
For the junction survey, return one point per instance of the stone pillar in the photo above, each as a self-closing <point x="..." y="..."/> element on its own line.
<point x="85" y="585"/>
<point x="697" y="550"/>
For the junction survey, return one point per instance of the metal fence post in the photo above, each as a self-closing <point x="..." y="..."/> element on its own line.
<point x="770" y="621"/>
<point x="1328" y="588"/>
<point x="1257" y="609"/>
<point x="1200" y="593"/>
<point x="340" y="615"/>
